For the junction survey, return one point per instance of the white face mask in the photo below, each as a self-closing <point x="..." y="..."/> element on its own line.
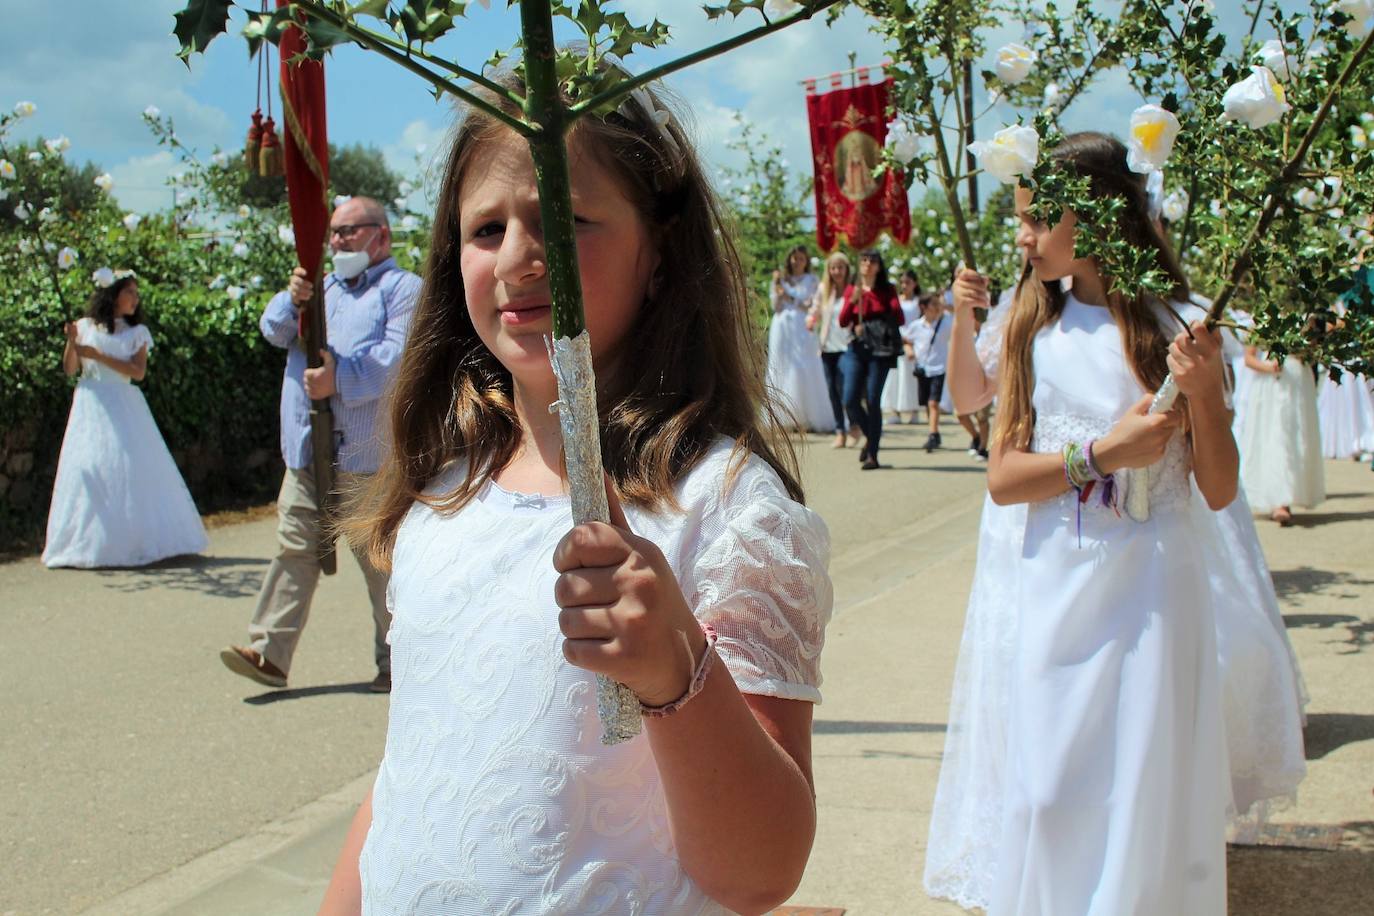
<point x="348" y="264"/>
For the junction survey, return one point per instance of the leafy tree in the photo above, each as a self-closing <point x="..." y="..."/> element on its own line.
<point x="358" y="170"/>
<point x="65" y="186"/>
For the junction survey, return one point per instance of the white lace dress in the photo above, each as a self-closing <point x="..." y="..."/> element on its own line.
<point x="495" y="794"/>
<point x="1345" y="411"/>
<point x="901" y="393"/>
<point x="1116" y="790"/>
<point x="1280" y="440"/>
<point x="796" y="376"/>
<point x="118" y="499"/>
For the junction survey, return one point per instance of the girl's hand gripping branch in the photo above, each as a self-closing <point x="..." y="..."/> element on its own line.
<point x="623" y="614"/>
<point x="1138" y="439"/>
<point x="970" y="292"/>
<point x="1196" y="363"/>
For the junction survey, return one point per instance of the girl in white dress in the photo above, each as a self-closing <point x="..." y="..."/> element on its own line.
<point x="1262" y="688"/>
<point x="1280" y="440"/>
<point x="118" y="499"/>
<point x="795" y="374"/>
<point x="707" y="596"/>
<point x="901" y="397"/>
<point x="1115" y="792"/>
<point x="1345" y="412"/>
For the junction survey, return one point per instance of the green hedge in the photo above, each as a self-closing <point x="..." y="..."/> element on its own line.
<point x="213" y="383"/>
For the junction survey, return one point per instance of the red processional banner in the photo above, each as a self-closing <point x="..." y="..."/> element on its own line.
<point x="848" y="130"/>
<point x="306" y="147"/>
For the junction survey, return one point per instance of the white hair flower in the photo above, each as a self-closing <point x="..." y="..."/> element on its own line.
<point x="66" y="258"/>
<point x="131" y="221"/>
<point x="104" y="181"/>
<point x="1272" y="56"/>
<point x="1011" y="153"/>
<point x="104" y="277"/>
<point x="1258" y="100"/>
<point x="24" y="109"/>
<point x="1175" y="206"/>
<point x="7" y="169"/>
<point x="1153" y="130"/>
<point x="1014" y="62"/>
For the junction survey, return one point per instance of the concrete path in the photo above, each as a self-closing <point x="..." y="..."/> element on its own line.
<point x="143" y="778"/>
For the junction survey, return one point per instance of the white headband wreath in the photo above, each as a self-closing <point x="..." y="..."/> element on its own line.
<point x="106" y="277"/>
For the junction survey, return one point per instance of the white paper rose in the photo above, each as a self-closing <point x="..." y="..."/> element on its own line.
<point x="25" y="109"/>
<point x="152" y="111"/>
<point x="255" y="281"/>
<point x="1014" y="62"/>
<point x="1175" y="206"/>
<point x="47" y="216"/>
<point x="66" y="258"/>
<point x="25" y="246"/>
<point x="1258" y="100"/>
<point x="1358" y="138"/>
<point x="103" y="277"/>
<point x="104" y="181"/>
<point x="7" y="170"/>
<point x="245" y="211"/>
<point x="904" y="143"/>
<point x="21" y="211"/>
<point x="286" y="234"/>
<point x="131" y="221"/>
<point x="1053" y="95"/>
<point x="234" y="292"/>
<point x="1306" y="197"/>
<point x="35" y="156"/>
<point x="1153" y="130"/>
<point x="1012" y="152"/>
<point x="58" y="144"/>
<point x="218" y="282"/>
<point x="1272" y="56"/>
<point x="240" y="250"/>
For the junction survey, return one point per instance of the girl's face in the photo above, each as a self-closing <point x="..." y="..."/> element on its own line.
<point x="908" y="288"/>
<point x="1049" y="251"/>
<point x="126" y="303"/>
<point x="868" y="270"/>
<point x="505" y="274"/>
<point x="797" y="261"/>
<point x="839" y="273"/>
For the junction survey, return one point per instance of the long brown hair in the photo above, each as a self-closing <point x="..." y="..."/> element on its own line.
<point x="1102" y="158"/>
<point x="690" y="369"/>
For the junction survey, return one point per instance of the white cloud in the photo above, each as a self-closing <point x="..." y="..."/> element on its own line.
<point x="140" y="182"/>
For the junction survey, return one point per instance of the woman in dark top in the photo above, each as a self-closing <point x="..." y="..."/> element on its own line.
<point x="870" y="302"/>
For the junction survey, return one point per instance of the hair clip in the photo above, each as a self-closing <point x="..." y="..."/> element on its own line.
<point x="659" y="117"/>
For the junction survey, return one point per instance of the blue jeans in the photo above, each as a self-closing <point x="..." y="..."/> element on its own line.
<point x="864" y="375"/>
<point x="834" y="386"/>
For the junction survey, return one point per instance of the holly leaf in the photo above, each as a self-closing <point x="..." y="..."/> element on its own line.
<point x="199" y="24"/>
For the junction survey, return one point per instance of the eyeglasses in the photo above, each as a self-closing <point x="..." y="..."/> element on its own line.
<point x="347" y="232"/>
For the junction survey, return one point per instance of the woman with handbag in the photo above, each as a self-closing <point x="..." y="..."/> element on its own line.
<point x="872" y="309"/>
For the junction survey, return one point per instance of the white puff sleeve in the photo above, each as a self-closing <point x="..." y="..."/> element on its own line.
<point x="760" y="578"/>
<point x="988" y="344"/>
<point x="140" y="337"/>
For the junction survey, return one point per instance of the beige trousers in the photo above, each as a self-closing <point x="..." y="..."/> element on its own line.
<point x="289" y="586"/>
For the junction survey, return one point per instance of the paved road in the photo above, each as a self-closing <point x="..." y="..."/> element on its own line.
<point x="143" y="778"/>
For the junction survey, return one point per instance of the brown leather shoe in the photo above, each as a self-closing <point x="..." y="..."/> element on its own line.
<point x="248" y="663"/>
<point x="381" y="683"/>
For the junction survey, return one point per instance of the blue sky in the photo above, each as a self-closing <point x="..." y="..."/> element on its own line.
<point x="93" y="67"/>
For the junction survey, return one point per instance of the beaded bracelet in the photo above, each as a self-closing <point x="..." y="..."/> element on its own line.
<point x="699" y="676"/>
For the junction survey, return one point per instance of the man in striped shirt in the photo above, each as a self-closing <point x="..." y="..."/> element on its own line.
<point x="368" y="305"/>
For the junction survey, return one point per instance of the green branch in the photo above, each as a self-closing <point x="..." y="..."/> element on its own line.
<point x="623" y="89"/>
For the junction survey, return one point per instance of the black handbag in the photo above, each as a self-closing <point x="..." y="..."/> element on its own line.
<point x="882" y="337"/>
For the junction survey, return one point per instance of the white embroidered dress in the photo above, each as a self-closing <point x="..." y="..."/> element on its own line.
<point x="796" y="377"/>
<point x="495" y="794"/>
<point x="118" y="499"/>
<point x="1116" y="792"/>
